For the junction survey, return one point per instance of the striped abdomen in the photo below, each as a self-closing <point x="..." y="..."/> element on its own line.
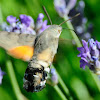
<point x="35" y="77"/>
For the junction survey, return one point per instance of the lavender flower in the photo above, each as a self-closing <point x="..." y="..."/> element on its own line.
<point x="53" y="78"/>
<point x="39" y="21"/>
<point x="25" y="24"/>
<point x="11" y="19"/>
<point x="62" y="8"/>
<point x="40" y="25"/>
<point x="1" y="75"/>
<point x="43" y="27"/>
<point x="80" y="22"/>
<point x="69" y="7"/>
<point x="27" y="20"/>
<point x="90" y="54"/>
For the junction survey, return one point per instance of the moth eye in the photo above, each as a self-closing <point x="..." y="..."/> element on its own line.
<point x="59" y="31"/>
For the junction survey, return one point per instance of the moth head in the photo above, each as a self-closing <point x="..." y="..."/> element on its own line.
<point x="55" y="30"/>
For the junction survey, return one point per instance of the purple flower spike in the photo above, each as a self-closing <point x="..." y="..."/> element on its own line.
<point x="92" y="44"/>
<point x="44" y="26"/>
<point x="26" y="20"/>
<point x="53" y="71"/>
<point x="69" y="8"/>
<point x="83" y="63"/>
<point x="81" y="49"/>
<point x="53" y="78"/>
<point x="71" y="4"/>
<point x="11" y="19"/>
<point x="1" y="75"/>
<point x="40" y="16"/>
<point x="40" y="24"/>
<point x="93" y="48"/>
<point x="85" y="45"/>
<point x="90" y="55"/>
<point x="98" y="44"/>
<point x="25" y="24"/>
<point x="62" y="8"/>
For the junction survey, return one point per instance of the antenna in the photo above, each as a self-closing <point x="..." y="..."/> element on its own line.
<point x="69" y="29"/>
<point x="69" y="19"/>
<point x="47" y="14"/>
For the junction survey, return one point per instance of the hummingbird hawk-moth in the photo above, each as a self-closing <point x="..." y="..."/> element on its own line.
<point x="45" y="47"/>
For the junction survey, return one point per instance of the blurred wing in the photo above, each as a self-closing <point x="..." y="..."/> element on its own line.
<point x="10" y="40"/>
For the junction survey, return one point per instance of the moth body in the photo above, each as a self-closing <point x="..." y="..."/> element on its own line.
<point x="45" y="48"/>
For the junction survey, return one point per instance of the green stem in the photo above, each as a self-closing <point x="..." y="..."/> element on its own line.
<point x="96" y="79"/>
<point x="13" y="80"/>
<point x="78" y="43"/>
<point x="61" y="82"/>
<point x="1" y="18"/>
<point x="60" y="93"/>
<point x="76" y="39"/>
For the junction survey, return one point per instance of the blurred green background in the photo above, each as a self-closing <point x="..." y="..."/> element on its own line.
<point x="80" y="83"/>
